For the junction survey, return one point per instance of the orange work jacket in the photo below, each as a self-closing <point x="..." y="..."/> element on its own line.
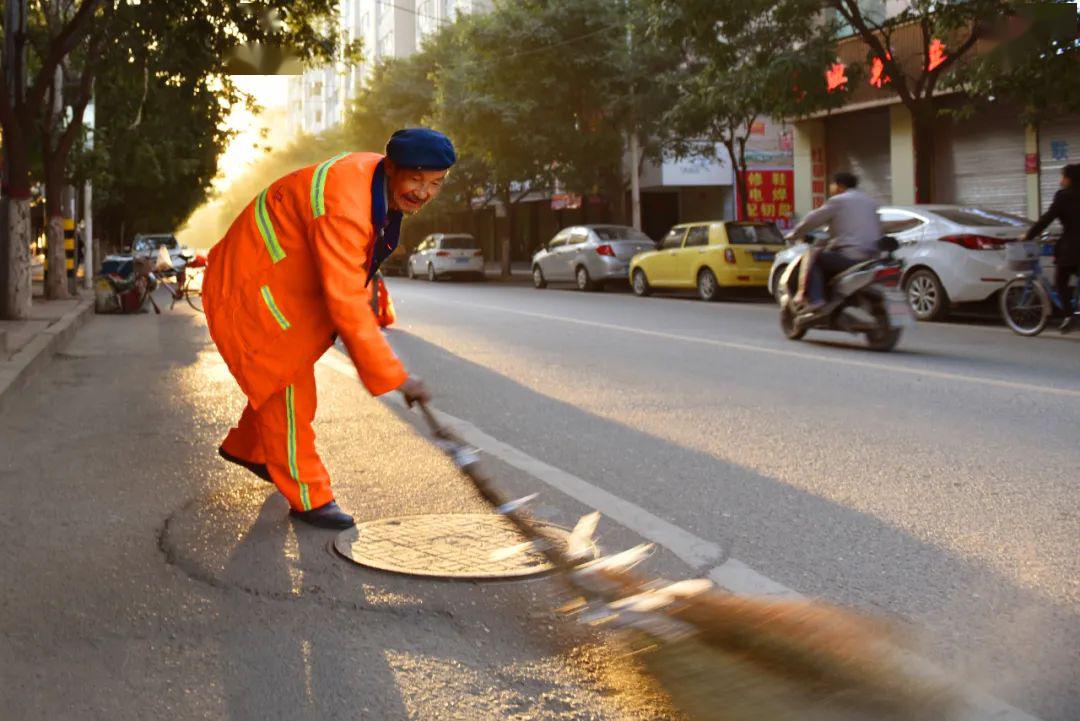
<point x="291" y="271"/>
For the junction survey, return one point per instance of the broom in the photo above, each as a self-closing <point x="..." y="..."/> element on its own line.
<point x="721" y="656"/>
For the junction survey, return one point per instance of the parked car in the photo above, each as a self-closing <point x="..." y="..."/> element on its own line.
<point x="444" y="254"/>
<point x="147" y="244"/>
<point x="709" y="257"/>
<point x="588" y="255"/>
<point x="952" y="253"/>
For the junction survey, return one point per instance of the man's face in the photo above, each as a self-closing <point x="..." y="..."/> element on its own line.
<point x="410" y="190"/>
<point x="835" y="188"/>
<point x="1065" y="182"/>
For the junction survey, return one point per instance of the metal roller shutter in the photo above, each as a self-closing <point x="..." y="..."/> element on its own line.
<point x="859" y="143"/>
<point x="1059" y="145"/>
<point x="980" y="161"/>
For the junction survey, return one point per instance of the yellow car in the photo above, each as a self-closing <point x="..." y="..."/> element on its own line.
<point x="709" y="256"/>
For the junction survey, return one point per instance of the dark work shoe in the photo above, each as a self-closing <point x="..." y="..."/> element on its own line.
<point x="1067" y="324"/>
<point x="259" y="469"/>
<point x="328" y="516"/>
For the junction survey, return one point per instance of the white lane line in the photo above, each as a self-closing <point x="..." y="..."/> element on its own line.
<point x="750" y="348"/>
<point x="696" y="552"/>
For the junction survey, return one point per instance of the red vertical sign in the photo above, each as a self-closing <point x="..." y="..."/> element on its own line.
<point x="769" y="196"/>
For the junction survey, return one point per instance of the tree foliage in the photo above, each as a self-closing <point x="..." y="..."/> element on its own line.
<point x="740" y="62"/>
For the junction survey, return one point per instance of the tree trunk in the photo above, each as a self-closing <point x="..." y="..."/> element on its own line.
<point x="923" y="120"/>
<point x="740" y="180"/>
<point x="616" y="193"/>
<point x="56" y="285"/>
<point x="16" y="289"/>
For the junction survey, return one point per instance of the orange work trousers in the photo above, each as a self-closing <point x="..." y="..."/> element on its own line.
<point x="279" y="435"/>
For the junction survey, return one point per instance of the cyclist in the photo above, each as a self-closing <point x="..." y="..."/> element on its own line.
<point x="1066" y="209"/>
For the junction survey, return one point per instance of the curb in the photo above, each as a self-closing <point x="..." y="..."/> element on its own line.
<point x="35" y="355"/>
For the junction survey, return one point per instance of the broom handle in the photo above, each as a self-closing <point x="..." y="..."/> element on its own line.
<point x="480" y="480"/>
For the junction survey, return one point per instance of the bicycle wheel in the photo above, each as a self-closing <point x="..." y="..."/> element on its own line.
<point x="1025" y="306"/>
<point x="194" y="299"/>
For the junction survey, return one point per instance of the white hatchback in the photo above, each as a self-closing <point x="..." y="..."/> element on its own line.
<point x="444" y="254"/>
<point x="952" y="253"/>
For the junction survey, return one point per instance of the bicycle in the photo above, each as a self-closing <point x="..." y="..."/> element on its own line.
<point x="188" y="285"/>
<point x="1026" y="299"/>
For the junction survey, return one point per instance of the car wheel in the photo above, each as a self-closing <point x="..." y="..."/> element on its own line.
<point x="707" y="287"/>
<point x="431" y="275"/>
<point x="926" y="295"/>
<point x="538" y="278"/>
<point x="640" y="283"/>
<point x="584" y="282"/>
<point x="778" y="288"/>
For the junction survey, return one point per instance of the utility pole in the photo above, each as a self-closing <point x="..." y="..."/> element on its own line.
<point x="635" y="180"/>
<point x="635" y="149"/>
<point x="15" y="286"/>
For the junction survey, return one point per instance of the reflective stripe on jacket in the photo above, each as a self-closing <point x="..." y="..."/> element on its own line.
<point x="291" y="271"/>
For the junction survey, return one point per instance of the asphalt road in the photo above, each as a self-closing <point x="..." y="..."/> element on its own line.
<point x="937" y="485"/>
<point x="145" y="578"/>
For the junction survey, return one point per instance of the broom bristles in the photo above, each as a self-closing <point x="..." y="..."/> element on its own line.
<point x="746" y="658"/>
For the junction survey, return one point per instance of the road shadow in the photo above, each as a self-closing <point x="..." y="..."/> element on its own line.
<point x="285" y="659"/>
<point x="979" y="623"/>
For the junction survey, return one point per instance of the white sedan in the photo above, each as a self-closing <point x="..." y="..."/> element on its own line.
<point x="952" y="253"/>
<point x="444" y="254"/>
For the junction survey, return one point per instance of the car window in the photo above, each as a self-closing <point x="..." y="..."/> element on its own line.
<point x="578" y="235"/>
<point x="981" y="217"/>
<point x="558" y="240"/>
<point x="459" y="242"/>
<point x="754" y="234"/>
<point x="620" y="232"/>
<point x="897" y="221"/>
<point x="698" y="235"/>
<point x="151" y="243"/>
<point x="673" y="239"/>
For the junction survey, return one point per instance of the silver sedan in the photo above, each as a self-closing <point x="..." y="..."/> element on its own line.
<point x="588" y="255"/>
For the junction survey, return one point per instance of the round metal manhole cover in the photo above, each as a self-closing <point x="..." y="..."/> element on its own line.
<point x="456" y="545"/>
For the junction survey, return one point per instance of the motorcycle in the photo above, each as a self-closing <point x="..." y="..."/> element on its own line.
<point x="864" y="299"/>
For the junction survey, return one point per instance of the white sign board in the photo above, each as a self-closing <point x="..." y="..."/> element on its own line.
<point x="697" y="170"/>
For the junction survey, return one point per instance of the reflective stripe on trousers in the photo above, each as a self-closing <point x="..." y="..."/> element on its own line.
<point x="279" y="434"/>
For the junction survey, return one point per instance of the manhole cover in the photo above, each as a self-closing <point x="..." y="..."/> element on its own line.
<point x="456" y="545"/>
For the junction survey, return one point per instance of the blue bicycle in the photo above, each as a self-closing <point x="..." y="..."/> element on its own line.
<point x="1026" y="299"/>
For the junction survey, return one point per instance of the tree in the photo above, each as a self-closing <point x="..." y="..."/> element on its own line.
<point x="948" y="36"/>
<point x="179" y="44"/>
<point x="741" y="61"/>
<point x="479" y="103"/>
<point x="21" y="112"/>
<point x="1041" y="48"/>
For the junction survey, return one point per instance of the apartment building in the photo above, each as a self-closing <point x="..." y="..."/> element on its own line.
<point x="319" y="98"/>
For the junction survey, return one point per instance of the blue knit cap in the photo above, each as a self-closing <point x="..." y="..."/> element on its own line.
<point x="420" y="149"/>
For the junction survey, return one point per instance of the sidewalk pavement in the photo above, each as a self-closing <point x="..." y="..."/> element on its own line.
<point x="27" y="345"/>
<point x="153" y="580"/>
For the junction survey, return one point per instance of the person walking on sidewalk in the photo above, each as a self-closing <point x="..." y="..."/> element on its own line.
<point x="1065" y="208"/>
<point x="290" y="275"/>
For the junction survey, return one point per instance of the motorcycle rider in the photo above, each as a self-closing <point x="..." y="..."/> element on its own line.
<point x="1066" y="209"/>
<point x="854" y="229"/>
